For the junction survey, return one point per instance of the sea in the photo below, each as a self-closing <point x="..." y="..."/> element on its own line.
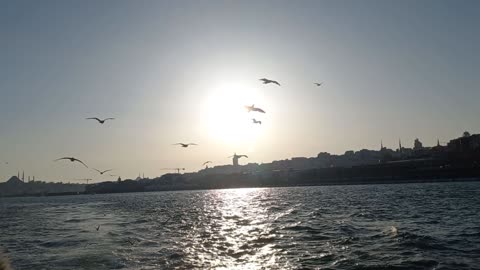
<point x="395" y="226"/>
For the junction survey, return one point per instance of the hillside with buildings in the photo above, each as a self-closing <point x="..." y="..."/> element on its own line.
<point x="458" y="160"/>
<point x="17" y="186"/>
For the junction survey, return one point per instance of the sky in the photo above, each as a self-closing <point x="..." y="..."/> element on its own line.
<point x="181" y="71"/>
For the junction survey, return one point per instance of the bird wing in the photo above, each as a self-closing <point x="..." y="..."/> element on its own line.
<point x="94" y="118"/>
<point x="97" y="170"/>
<point x="245" y="156"/>
<point x="192" y="144"/>
<point x="76" y="159"/>
<point x="275" y="82"/>
<point x="61" y="158"/>
<point x="178" y="144"/>
<point x="111" y="118"/>
<point x="107" y="170"/>
<point x="206" y="162"/>
<point x="258" y="110"/>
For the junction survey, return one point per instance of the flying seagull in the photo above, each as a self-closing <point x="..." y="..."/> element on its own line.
<point x="255" y="121"/>
<point x="72" y="159"/>
<point x="206" y="162"/>
<point x="185" y="145"/>
<point x="318" y="84"/>
<point x="237" y="156"/>
<point x="102" y="172"/>
<point x="267" y="81"/>
<point x="254" y="109"/>
<point x="100" y="120"/>
<point x="98" y="227"/>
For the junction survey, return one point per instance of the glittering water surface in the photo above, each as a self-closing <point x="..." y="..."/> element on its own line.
<point x="411" y="226"/>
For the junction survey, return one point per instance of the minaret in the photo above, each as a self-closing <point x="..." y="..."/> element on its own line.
<point x="399" y="145"/>
<point x="381" y="145"/>
<point x="18" y="175"/>
<point x="23" y="176"/>
<point x="438" y="143"/>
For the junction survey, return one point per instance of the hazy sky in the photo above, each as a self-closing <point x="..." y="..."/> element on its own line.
<point x="181" y="71"/>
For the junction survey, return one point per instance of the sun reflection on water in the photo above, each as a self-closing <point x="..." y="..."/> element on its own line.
<point x="235" y="232"/>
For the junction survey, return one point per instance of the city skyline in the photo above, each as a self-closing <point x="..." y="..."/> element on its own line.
<point x="170" y="72"/>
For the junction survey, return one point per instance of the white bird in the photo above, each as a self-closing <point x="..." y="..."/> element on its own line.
<point x="102" y="172"/>
<point x="255" y="121"/>
<point x="72" y="159"/>
<point x="267" y="81"/>
<point x="254" y="109"/>
<point x="185" y="145"/>
<point x="100" y="120"/>
<point x="318" y="84"/>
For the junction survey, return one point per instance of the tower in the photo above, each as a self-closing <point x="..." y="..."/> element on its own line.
<point x="438" y="143"/>
<point x="235" y="159"/>
<point x="381" y="145"/>
<point x="23" y="176"/>
<point x="399" y="145"/>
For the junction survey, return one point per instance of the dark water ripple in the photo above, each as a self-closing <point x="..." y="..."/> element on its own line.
<point x="415" y="226"/>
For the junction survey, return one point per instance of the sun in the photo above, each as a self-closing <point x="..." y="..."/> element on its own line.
<point x="227" y="119"/>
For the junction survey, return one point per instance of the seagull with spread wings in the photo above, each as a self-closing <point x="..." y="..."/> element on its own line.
<point x="101" y="121"/>
<point x="318" y="84"/>
<point x="102" y="172"/>
<point x="254" y="109"/>
<point x="185" y="145"/>
<point x="72" y="159"/>
<point x="237" y="156"/>
<point x="255" y="121"/>
<point x="267" y="81"/>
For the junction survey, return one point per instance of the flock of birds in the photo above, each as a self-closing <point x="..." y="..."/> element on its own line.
<point x="251" y="108"/>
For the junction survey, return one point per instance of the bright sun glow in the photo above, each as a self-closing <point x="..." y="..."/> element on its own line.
<point x="226" y="116"/>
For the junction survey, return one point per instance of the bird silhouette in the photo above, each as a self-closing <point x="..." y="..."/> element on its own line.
<point x="100" y="120"/>
<point x="238" y="156"/>
<point x="318" y="84"/>
<point x="98" y="228"/>
<point x="72" y="159"/>
<point x="254" y="109"/>
<point x="255" y="121"/>
<point x="267" y="81"/>
<point x="185" y="145"/>
<point x="206" y="162"/>
<point x="102" y="172"/>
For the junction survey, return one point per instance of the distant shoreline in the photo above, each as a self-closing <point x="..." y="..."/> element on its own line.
<point x="325" y="183"/>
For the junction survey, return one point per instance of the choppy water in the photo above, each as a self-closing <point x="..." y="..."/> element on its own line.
<point x="412" y="226"/>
